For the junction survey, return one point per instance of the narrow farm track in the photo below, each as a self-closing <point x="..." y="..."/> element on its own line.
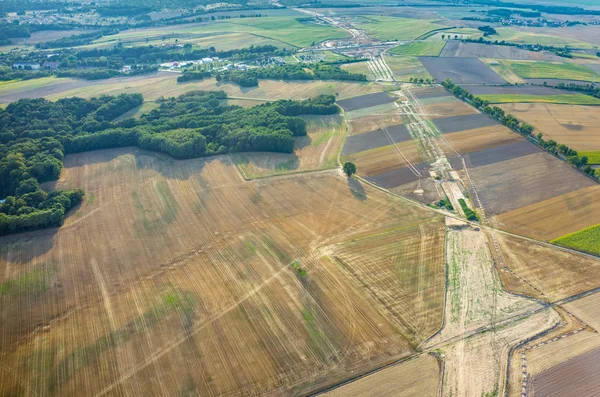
<point x="154" y="279"/>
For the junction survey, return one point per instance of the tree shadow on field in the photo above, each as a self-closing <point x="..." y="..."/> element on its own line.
<point x="22" y="248"/>
<point x="171" y="168"/>
<point x="357" y="189"/>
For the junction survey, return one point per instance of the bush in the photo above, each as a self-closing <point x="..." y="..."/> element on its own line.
<point x="469" y="213"/>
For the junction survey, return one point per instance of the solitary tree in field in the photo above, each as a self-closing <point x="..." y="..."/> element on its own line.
<point x="349" y="169"/>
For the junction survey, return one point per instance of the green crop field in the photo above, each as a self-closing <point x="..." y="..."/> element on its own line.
<point x="551" y="70"/>
<point x="517" y="36"/>
<point x="565" y="99"/>
<point x="358" y="67"/>
<point x="586" y="240"/>
<point x="593" y="157"/>
<point x="284" y="29"/>
<point x="393" y="28"/>
<point x="420" y="48"/>
<point x="406" y="67"/>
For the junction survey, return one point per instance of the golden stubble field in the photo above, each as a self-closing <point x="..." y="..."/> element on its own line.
<point x="180" y="278"/>
<point x="575" y="126"/>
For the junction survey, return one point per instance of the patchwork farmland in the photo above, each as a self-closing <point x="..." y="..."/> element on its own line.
<point x="460" y="258"/>
<point x="297" y="271"/>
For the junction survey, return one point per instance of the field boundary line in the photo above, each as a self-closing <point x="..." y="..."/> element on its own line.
<point x="170" y="346"/>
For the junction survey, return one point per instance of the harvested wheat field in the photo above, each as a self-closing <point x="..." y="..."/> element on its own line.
<point x="473" y="140"/>
<point x="587" y="309"/>
<point x="402" y="267"/>
<point x="575" y="126"/>
<point x="317" y="150"/>
<point x="386" y="158"/>
<point x="544" y="271"/>
<point x="554" y="217"/>
<point x="416" y="377"/>
<point x="179" y="276"/>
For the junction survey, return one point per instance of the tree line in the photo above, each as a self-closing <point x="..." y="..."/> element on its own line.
<point x="250" y="77"/>
<point x="35" y="134"/>
<point x="526" y="129"/>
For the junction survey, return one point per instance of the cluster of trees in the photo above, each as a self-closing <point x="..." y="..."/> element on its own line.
<point x="487" y="30"/>
<point x="589" y="89"/>
<point x="153" y="53"/>
<point x="7" y="6"/>
<point x="443" y="204"/>
<point x="191" y="75"/>
<point x="250" y="77"/>
<point x="420" y="80"/>
<point x="548" y="9"/>
<point x="530" y="47"/>
<point x="242" y="78"/>
<point x="469" y="213"/>
<point x="123" y="10"/>
<point x="35" y="134"/>
<point x="526" y="129"/>
<point x="571" y="155"/>
<point x="493" y="111"/>
<point x="76" y="39"/>
<point x="7" y="74"/>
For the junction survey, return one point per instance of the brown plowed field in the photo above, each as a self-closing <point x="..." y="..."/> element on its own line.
<point x="430" y="92"/>
<point x="575" y="126"/>
<point x="508" y="185"/>
<point x="373" y="121"/>
<point x="417" y="377"/>
<point x="476" y="50"/>
<point x="366" y="101"/>
<point x="545" y="351"/>
<point x="479" y="139"/>
<point x="448" y="109"/>
<point x="384" y="159"/>
<point x="376" y="139"/>
<point x="461" y="70"/>
<point x="177" y="277"/>
<point x="451" y="124"/>
<point x="552" y="273"/>
<point x="554" y="217"/>
<point x="574" y="378"/>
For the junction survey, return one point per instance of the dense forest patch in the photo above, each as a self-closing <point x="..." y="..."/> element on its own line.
<point x="35" y="134"/>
